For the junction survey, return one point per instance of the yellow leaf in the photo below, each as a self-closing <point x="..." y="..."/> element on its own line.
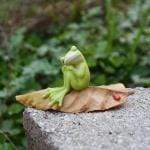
<point x="90" y="99"/>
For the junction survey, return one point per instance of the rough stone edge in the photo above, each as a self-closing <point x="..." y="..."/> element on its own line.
<point x="35" y="137"/>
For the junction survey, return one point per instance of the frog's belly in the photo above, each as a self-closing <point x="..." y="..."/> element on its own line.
<point x="80" y="84"/>
<point x="78" y="88"/>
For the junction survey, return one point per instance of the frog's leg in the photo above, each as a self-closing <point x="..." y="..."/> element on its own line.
<point x="56" y="95"/>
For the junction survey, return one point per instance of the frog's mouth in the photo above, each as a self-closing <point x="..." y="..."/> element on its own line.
<point x="73" y="59"/>
<point x="69" y="59"/>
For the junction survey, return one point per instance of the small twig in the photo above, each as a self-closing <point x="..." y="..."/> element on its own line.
<point x="7" y="138"/>
<point x="102" y="7"/>
<point x="4" y="40"/>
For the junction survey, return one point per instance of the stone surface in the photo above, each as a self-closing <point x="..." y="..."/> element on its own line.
<point x="122" y="128"/>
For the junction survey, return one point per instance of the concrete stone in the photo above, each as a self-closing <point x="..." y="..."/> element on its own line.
<point x="123" y="128"/>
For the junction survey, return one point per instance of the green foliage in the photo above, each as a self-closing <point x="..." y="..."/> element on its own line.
<point x="115" y="45"/>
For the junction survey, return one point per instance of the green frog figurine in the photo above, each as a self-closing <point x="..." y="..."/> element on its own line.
<point x="76" y="76"/>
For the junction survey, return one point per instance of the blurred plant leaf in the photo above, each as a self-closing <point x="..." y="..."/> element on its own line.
<point x="39" y="66"/>
<point x="14" y="109"/>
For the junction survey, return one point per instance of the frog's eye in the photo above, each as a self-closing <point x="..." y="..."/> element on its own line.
<point x="74" y="48"/>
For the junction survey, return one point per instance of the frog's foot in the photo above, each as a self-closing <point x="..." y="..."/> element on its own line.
<point x="56" y="96"/>
<point x="50" y="91"/>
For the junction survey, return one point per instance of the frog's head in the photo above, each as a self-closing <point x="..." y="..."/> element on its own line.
<point x="73" y="57"/>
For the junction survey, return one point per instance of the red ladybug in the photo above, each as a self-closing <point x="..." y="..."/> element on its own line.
<point x="116" y="96"/>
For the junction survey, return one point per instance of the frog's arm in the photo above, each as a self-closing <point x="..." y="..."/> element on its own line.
<point x="80" y="71"/>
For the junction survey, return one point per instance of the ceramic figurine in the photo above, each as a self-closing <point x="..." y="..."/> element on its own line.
<point x="76" y="95"/>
